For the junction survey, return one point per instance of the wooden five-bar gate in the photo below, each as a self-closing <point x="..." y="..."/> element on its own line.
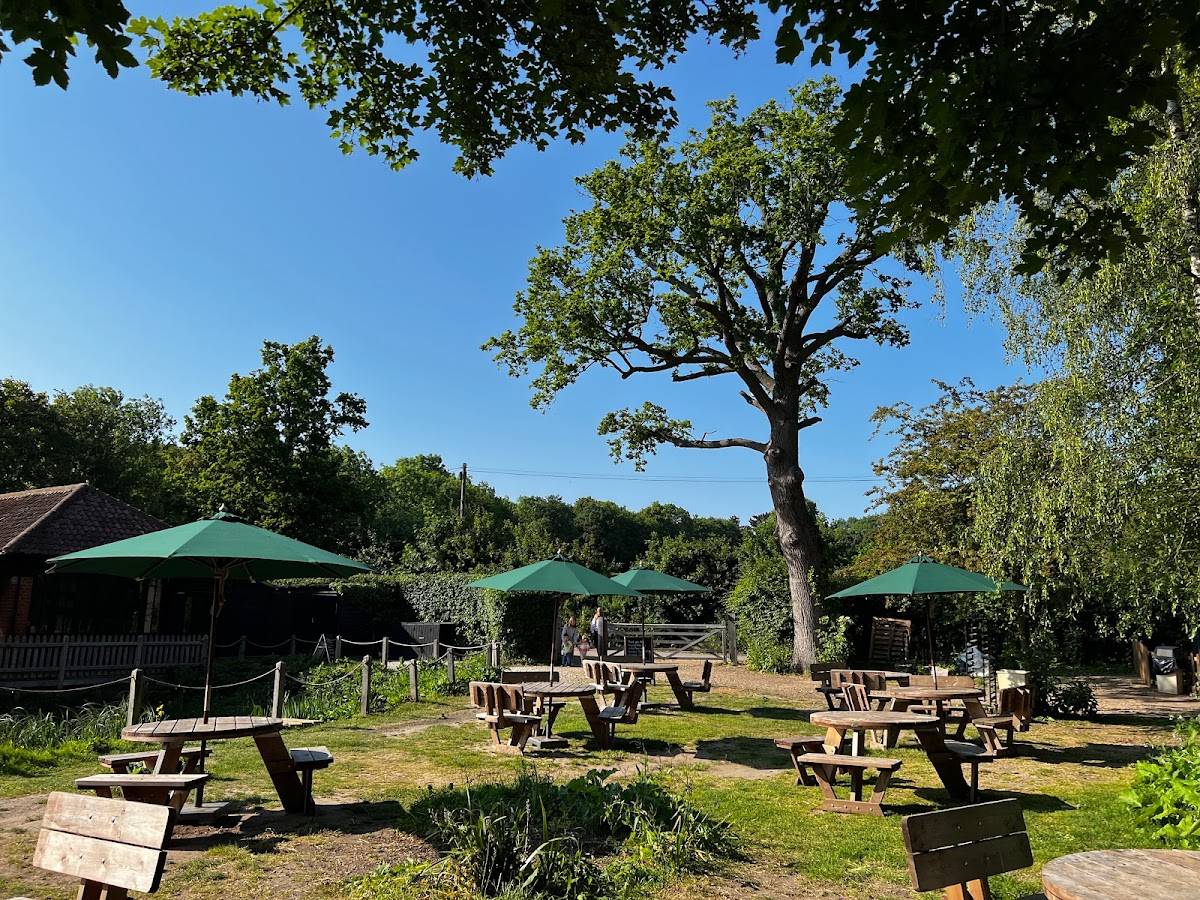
<point x="717" y="640"/>
<point x="71" y="658"/>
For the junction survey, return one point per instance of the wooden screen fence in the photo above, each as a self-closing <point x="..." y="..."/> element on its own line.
<point x="71" y="658"/>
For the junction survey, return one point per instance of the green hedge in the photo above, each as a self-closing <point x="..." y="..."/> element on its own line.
<point x="520" y="621"/>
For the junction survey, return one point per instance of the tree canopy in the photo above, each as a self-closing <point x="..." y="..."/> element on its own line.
<point x="712" y="258"/>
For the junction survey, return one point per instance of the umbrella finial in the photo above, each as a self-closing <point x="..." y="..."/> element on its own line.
<point x="224" y="515"/>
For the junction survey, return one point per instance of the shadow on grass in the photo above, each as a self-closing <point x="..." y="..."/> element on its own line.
<point x="261" y="830"/>
<point x="1108" y="756"/>
<point x="782" y="713"/>
<point x="1029" y="802"/>
<point x="755" y="752"/>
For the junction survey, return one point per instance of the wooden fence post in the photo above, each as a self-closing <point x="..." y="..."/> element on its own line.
<point x="337" y="647"/>
<point x="450" y="666"/>
<point x="383" y="654"/>
<point x="414" y="686"/>
<point x="292" y="648"/>
<point x="62" y="661"/>
<point x="494" y="655"/>
<point x="242" y="648"/>
<point x="137" y="650"/>
<point x="132" y="714"/>
<point x="366" y="685"/>
<point x="277" y="691"/>
<point x="730" y="640"/>
<point x="437" y="648"/>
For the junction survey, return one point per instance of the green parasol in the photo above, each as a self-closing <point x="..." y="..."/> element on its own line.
<point x="220" y="548"/>
<point x="560" y="577"/>
<point x="921" y="575"/>
<point x="648" y="581"/>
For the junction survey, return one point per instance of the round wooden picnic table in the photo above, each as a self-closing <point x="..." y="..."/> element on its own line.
<point x="904" y="697"/>
<point x="172" y="734"/>
<point x="670" y="670"/>
<point x="565" y="690"/>
<point x="1112" y="874"/>
<point x="926" y="728"/>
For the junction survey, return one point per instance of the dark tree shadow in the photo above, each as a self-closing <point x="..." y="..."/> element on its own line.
<point x="1108" y="756"/>
<point x="1029" y="802"/>
<point x="781" y="713"/>
<point x="260" y="830"/>
<point x="756" y="752"/>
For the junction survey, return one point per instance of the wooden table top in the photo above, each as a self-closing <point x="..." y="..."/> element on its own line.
<point x="882" y="718"/>
<point x="558" y="689"/>
<point x="216" y="728"/>
<point x="649" y="667"/>
<point x="931" y="693"/>
<point x="1107" y="874"/>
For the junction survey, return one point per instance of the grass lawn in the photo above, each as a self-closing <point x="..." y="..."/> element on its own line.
<point x="1067" y="776"/>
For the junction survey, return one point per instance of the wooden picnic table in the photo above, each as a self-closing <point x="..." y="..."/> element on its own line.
<point x="172" y="734"/>
<point x="1122" y="874"/>
<point x="904" y="697"/>
<point x="682" y="697"/>
<point x="926" y="728"/>
<point x="566" y="690"/>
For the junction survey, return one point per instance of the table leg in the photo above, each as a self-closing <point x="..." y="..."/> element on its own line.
<point x="592" y="712"/>
<point x="168" y="758"/>
<point x="947" y="766"/>
<point x="282" y="770"/>
<point x="833" y="739"/>
<point x="682" y="696"/>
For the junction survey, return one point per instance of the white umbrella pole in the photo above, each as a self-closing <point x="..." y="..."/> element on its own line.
<point x="929" y="636"/>
<point x="554" y="636"/>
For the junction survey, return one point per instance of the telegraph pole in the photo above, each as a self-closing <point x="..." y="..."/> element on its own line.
<point x="462" y="491"/>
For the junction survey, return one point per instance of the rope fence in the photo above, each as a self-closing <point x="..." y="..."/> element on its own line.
<point x="137" y="679"/>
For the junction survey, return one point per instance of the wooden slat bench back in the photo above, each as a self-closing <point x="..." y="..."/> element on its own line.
<point x="957" y="850"/>
<point x="105" y="843"/>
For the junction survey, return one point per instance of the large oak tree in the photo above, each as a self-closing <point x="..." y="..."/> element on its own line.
<point x="731" y="254"/>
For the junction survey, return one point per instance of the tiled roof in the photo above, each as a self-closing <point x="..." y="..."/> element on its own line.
<point x="54" y="520"/>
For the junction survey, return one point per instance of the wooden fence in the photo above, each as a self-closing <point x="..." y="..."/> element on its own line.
<point x="717" y="640"/>
<point x="69" y="658"/>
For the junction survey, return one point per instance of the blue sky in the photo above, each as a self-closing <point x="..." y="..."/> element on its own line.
<point x="152" y="241"/>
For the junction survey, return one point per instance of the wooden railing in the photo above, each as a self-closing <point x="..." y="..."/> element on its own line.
<point x="718" y="639"/>
<point x="64" y="658"/>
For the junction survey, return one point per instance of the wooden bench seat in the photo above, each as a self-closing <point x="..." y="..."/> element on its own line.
<point x="797" y="747"/>
<point x="121" y="763"/>
<point x="974" y="754"/>
<point x="825" y="767"/>
<point x="704" y="685"/>
<point x="163" y="790"/>
<point x="307" y="760"/>
<point x="112" y="846"/>
<point x="626" y="713"/>
<point x="505" y="706"/>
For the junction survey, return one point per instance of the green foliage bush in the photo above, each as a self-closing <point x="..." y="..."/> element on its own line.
<point x="833" y="638"/>
<point x="536" y="839"/>
<point x="761" y="604"/>
<point x="1071" y="699"/>
<point x="1165" y="794"/>
<point x="520" y="621"/>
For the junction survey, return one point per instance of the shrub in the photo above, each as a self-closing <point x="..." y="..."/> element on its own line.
<point x="833" y="638"/>
<point x="1072" y="699"/>
<point x="769" y="657"/>
<point x="1165" y="794"/>
<point x="534" y="838"/>
<point x="95" y="726"/>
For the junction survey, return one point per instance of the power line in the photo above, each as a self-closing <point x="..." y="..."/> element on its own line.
<point x="679" y="479"/>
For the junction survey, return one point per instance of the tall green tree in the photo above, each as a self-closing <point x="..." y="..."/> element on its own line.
<point x="94" y="434"/>
<point x="727" y="255"/>
<point x="268" y="450"/>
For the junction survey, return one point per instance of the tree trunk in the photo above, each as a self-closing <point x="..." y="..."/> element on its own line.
<point x="799" y="539"/>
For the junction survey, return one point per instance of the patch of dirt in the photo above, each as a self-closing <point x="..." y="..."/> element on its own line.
<point x="415" y="726"/>
<point x="767" y="882"/>
<point x="1123" y="695"/>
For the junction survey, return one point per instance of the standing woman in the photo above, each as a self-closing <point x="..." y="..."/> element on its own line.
<point x="599" y="631"/>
